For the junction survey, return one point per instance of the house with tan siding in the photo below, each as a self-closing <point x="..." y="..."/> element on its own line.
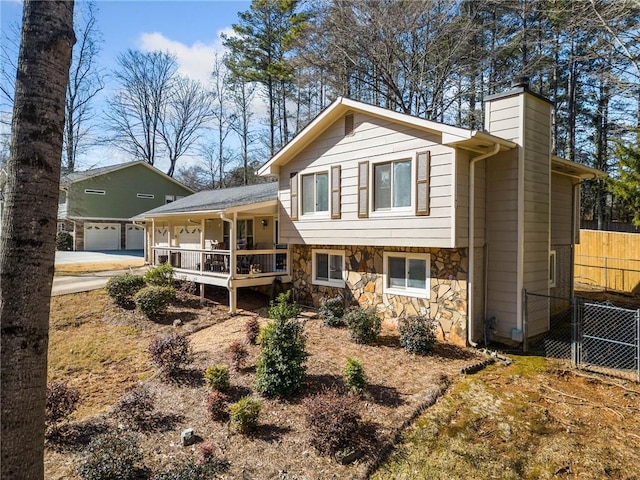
<point x="397" y="213"/>
<point x="378" y="206"/>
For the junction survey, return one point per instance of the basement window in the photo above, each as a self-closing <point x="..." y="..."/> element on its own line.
<point x="91" y="191"/>
<point x="145" y="195"/>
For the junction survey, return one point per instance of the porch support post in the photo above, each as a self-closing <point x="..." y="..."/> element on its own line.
<point x="202" y="293"/>
<point x="150" y="251"/>
<point x="232" y="299"/>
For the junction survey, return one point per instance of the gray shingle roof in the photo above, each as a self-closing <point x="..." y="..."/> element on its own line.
<point x="93" y="172"/>
<point x="216" y="200"/>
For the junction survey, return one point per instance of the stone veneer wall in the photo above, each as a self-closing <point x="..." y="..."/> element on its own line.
<point x="364" y="277"/>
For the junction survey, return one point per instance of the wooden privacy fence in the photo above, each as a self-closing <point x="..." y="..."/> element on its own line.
<point x="610" y="260"/>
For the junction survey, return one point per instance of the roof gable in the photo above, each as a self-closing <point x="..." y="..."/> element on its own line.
<point x="70" y="178"/>
<point x="342" y="106"/>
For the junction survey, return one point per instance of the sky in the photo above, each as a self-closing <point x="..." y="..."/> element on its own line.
<point x="188" y="29"/>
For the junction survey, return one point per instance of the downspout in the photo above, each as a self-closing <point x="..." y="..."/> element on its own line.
<point x="232" y="261"/>
<point x="472" y="226"/>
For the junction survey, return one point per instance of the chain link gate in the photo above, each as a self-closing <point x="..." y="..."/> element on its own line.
<point x="594" y="336"/>
<point x="607" y="339"/>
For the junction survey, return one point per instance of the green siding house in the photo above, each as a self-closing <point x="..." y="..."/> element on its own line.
<point x="96" y="205"/>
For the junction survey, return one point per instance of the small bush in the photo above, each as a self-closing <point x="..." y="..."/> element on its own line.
<point x="237" y="354"/>
<point x="194" y="471"/>
<point x="64" y="242"/>
<point x="417" y="334"/>
<point x="62" y="401"/>
<point x="281" y="365"/>
<point x="251" y="330"/>
<point x="244" y="414"/>
<point x="332" y="311"/>
<point x="123" y="287"/>
<point x="333" y="421"/>
<point x="136" y="405"/>
<point x="160" y="276"/>
<point x="217" y="377"/>
<point x="111" y="456"/>
<point x="282" y="308"/>
<point x="170" y="353"/>
<point x="217" y="405"/>
<point x="364" y="325"/>
<point x="208" y="453"/>
<point x="154" y="300"/>
<point x="354" y="376"/>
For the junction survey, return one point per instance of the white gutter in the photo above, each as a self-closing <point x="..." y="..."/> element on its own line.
<point x="472" y="225"/>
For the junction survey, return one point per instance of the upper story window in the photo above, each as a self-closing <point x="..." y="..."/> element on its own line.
<point x="315" y="193"/>
<point x="328" y="268"/>
<point x="392" y="185"/>
<point x="172" y="198"/>
<point x="407" y="274"/>
<point x="92" y="191"/>
<point x="401" y="184"/>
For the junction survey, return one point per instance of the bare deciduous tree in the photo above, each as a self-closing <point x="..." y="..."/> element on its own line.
<point x="86" y="80"/>
<point x="27" y="245"/>
<point x="145" y="81"/>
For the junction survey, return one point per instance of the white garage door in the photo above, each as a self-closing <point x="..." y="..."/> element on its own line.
<point x="134" y="237"/>
<point x="102" y="236"/>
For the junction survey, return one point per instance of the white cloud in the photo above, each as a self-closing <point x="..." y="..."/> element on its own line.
<point x="195" y="61"/>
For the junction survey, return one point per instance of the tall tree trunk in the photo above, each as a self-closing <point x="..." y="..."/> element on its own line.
<point x="27" y="247"/>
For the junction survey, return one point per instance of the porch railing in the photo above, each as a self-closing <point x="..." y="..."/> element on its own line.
<point x="251" y="263"/>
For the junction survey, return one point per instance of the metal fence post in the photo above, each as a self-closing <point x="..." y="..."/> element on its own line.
<point x="525" y="321"/>
<point x="638" y="343"/>
<point x="574" y="333"/>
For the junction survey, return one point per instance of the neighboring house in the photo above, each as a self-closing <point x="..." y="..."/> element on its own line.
<point x="96" y="205"/>
<point x="373" y="205"/>
<point x="224" y="237"/>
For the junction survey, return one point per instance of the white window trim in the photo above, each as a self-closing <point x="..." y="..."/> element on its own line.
<point x="393" y="211"/>
<point x="93" y="191"/>
<point x="409" y="291"/>
<point x="145" y="195"/>
<point x="330" y="282"/>
<point x="314" y="214"/>
<point x="553" y="266"/>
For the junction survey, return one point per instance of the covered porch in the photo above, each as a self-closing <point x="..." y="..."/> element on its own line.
<point x="220" y="241"/>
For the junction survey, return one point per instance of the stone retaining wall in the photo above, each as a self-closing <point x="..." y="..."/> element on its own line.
<point x="364" y="277"/>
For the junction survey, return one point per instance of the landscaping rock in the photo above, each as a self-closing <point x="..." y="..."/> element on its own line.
<point x="188" y="437"/>
<point x="177" y="322"/>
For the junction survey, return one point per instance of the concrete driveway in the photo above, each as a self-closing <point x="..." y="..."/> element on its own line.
<point x="66" y="258"/>
<point x="66" y="283"/>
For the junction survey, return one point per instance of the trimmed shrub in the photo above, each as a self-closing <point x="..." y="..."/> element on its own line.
<point x="62" y="401"/>
<point x="64" y="242"/>
<point x="111" y="456"/>
<point x="154" y="300"/>
<point x="332" y="311"/>
<point x="417" y="334"/>
<point x="217" y="377"/>
<point x="281" y="365"/>
<point x="194" y="471"/>
<point x="251" y="330"/>
<point x="160" y="276"/>
<point x="364" y="325"/>
<point x="244" y="414"/>
<point x="333" y="421"/>
<point x="170" y="353"/>
<point x="282" y="308"/>
<point x="217" y="405"/>
<point x="354" y="376"/>
<point x="122" y="288"/>
<point x="237" y="353"/>
<point x="135" y="405"/>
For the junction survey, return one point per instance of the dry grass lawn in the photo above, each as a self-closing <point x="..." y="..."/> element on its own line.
<point x="101" y="349"/>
